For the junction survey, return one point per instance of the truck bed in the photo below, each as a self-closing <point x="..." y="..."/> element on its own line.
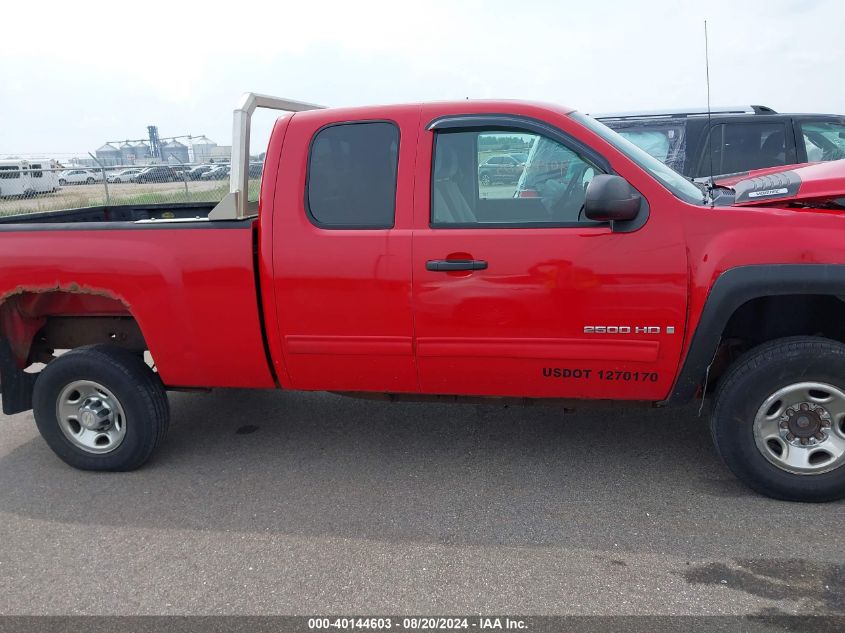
<point x="185" y="211"/>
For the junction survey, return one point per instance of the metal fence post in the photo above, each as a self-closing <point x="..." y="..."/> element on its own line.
<point x="105" y="180"/>
<point x="184" y="175"/>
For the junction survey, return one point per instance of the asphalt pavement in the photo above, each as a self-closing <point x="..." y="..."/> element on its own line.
<point x="297" y="503"/>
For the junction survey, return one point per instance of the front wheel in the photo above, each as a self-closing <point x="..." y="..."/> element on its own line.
<point x="101" y="408"/>
<point x="486" y="180"/>
<point x="62" y="182"/>
<point x="89" y="181"/>
<point x="779" y="419"/>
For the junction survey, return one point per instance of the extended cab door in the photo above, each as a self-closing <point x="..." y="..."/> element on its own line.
<point x="341" y="250"/>
<point x="516" y="293"/>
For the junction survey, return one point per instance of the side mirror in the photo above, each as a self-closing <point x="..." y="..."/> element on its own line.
<point x="609" y="198"/>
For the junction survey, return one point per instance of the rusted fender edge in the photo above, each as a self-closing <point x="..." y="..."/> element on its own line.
<point x="24" y="309"/>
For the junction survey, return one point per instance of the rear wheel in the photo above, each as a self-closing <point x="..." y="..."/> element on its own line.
<point x="62" y="182"/>
<point x="89" y="181"/>
<point x="485" y="179"/>
<point x="101" y="408"/>
<point x="779" y="419"/>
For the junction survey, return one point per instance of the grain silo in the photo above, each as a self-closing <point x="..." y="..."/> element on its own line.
<point x="127" y="153"/>
<point x="108" y="155"/>
<point x="201" y="148"/>
<point x="174" y="152"/>
<point x="142" y="151"/>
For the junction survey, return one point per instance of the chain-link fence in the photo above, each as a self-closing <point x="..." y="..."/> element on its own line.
<point x="28" y="186"/>
<point x="57" y="181"/>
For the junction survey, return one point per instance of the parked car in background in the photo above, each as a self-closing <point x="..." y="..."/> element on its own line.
<point x="255" y="170"/>
<point x="502" y="168"/>
<point x="80" y="177"/>
<point x="124" y="175"/>
<point x="218" y="173"/>
<point x="180" y="171"/>
<point x="156" y="173"/>
<point x="743" y="138"/>
<point x="195" y="173"/>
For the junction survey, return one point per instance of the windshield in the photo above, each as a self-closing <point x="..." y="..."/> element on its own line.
<point x="672" y="180"/>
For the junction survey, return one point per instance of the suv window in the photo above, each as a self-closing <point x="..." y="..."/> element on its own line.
<point x="823" y="140"/>
<point x="352" y="176"/>
<point x="664" y="139"/>
<point x="470" y="189"/>
<point x="9" y="172"/>
<point x="743" y="146"/>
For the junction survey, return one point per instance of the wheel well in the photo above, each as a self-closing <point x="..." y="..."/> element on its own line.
<point x="766" y="318"/>
<point x="772" y="317"/>
<point x="36" y="323"/>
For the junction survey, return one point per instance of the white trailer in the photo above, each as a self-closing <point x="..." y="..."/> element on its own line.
<point x="44" y="174"/>
<point x="22" y="177"/>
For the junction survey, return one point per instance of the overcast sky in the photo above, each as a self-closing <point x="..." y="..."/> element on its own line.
<point x="76" y="74"/>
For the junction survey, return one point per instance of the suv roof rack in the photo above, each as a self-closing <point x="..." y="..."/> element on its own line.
<point x="683" y="112"/>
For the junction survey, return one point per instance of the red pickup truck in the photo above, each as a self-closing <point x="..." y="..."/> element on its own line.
<point x="378" y="264"/>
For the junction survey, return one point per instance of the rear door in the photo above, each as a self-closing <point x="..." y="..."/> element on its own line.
<point x="516" y="293"/>
<point x="342" y="250"/>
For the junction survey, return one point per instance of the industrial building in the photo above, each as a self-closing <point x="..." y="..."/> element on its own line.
<point x="155" y="149"/>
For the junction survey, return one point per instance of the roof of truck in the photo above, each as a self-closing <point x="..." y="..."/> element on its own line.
<point x="464" y="106"/>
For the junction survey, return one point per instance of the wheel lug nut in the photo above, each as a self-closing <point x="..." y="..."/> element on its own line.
<point x="784" y="425"/>
<point x="826" y="424"/>
<point x="804" y="406"/>
<point x="821" y="437"/>
<point x="803" y="441"/>
<point x="790" y="436"/>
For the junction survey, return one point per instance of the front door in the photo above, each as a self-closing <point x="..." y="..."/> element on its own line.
<point x="516" y="293"/>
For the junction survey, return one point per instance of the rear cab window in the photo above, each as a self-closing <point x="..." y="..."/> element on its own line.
<point x="351" y="178"/>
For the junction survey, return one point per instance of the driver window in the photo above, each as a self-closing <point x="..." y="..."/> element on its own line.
<point x="501" y="178"/>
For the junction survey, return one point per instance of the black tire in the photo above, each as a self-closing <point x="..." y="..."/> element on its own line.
<point x="137" y="388"/>
<point x="89" y="181"/>
<point x="62" y="182"/>
<point x="742" y="391"/>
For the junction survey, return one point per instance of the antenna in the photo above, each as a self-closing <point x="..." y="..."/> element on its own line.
<point x="709" y="127"/>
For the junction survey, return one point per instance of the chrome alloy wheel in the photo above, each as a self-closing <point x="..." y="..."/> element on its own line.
<point x="91" y="417"/>
<point x="801" y="428"/>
